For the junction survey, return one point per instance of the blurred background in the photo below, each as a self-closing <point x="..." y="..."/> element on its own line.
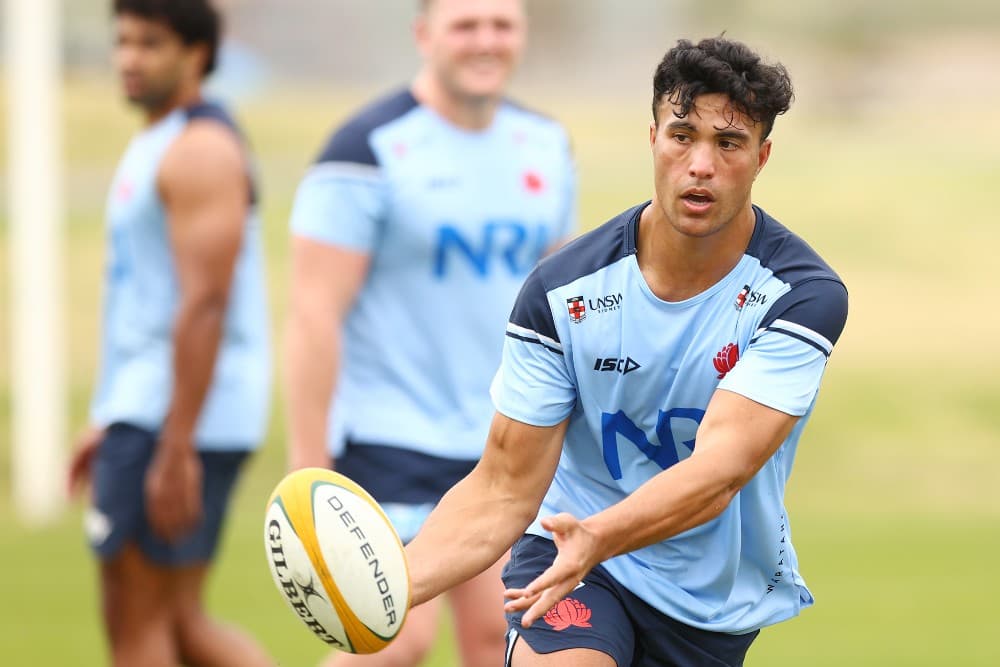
<point x="888" y="164"/>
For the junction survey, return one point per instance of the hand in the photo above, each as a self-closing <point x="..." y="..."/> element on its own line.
<point x="84" y="449"/>
<point x="578" y="554"/>
<point x="308" y="457"/>
<point x="173" y="490"/>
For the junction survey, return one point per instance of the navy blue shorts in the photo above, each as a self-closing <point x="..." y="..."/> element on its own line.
<point x="602" y="615"/>
<point x="405" y="483"/>
<point x="118" y="514"/>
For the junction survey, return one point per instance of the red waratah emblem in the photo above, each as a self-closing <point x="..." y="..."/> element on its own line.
<point x="568" y="612"/>
<point x="533" y="182"/>
<point x="726" y="358"/>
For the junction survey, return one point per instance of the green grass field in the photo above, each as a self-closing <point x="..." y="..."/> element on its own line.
<point x="893" y="503"/>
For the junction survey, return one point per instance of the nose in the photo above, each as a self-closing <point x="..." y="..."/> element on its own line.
<point x="702" y="161"/>
<point x="126" y="57"/>
<point x="488" y="36"/>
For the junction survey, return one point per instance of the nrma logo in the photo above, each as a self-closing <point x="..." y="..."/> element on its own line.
<point x="507" y="245"/>
<point x="665" y="454"/>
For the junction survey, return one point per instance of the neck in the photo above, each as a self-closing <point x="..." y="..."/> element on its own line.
<point x="185" y="95"/>
<point x="678" y="266"/>
<point x="468" y="113"/>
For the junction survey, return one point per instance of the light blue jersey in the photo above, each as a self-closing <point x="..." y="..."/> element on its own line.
<point x="141" y="298"/>
<point x="453" y="221"/>
<point x="588" y="340"/>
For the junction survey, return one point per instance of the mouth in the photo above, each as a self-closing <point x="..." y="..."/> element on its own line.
<point x="697" y="199"/>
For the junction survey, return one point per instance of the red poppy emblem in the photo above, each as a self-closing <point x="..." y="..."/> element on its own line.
<point x="568" y="612"/>
<point x="533" y="182"/>
<point x="726" y="358"/>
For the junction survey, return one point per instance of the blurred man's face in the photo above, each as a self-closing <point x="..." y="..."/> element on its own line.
<point x="472" y="46"/>
<point x="705" y="163"/>
<point x="152" y="60"/>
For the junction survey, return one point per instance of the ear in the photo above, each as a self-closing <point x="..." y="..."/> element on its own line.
<point x="421" y="34"/>
<point x="652" y="133"/>
<point x="198" y="59"/>
<point x="763" y="154"/>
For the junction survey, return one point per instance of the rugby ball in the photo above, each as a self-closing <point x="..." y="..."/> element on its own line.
<point x="337" y="560"/>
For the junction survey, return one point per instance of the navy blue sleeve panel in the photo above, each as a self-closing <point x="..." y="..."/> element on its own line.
<point x="788" y="256"/>
<point x="218" y="113"/>
<point x="531" y="309"/>
<point x="593" y="251"/>
<point x="350" y="142"/>
<point x="819" y="305"/>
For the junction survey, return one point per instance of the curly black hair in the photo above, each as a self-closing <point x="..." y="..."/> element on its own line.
<point x="195" y="21"/>
<point x="759" y="90"/>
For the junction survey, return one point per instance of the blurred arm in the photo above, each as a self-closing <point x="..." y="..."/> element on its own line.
<point x="325" y="281"/>
<point x="482" y="515"/>
<point x="204" y="187"/>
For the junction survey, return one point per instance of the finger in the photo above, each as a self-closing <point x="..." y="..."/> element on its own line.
<point x="545" y="602"/>
<point x="558" y="523"/>
<point x="521" y="603"/>
<point x="513" y="593"/>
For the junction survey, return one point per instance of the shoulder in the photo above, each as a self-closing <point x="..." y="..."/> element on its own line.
<point x="817" y="299"/>
<point x="206" y="154"/>
<point x="583" y="256"/>
<point x="532" y="124"/>
<point x="350" y="142"/>
<point x="786" y="254"/>
<point x="589" y="253"/>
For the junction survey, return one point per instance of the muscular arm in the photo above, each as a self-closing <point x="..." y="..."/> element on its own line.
<point x="325" y="281"/>
<point x="204" y="187"/>
<point x="736" y="437"/>
<point x="482" y="516"/>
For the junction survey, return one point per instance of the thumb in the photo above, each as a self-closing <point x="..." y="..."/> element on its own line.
<point x="558" y="523"/>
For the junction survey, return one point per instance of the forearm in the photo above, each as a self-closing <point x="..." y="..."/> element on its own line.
<point x="472" y="527"/>
<point x="313" y="356"/>
<point x="686" y="495"/>
<point x="198" y="331"/>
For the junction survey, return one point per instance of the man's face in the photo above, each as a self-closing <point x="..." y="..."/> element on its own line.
<point x="704" y="164"/>
<point x="472" y="46"/>
<point x="151" y="60"/>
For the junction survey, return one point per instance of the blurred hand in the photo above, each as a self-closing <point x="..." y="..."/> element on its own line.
<point x="578" y="554"/>
<point x="173" y="491"/>
<point x="308" y="457"/>
<point x="84" y="449"/>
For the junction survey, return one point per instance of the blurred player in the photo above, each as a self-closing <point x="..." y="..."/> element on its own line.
<point x="656" y="378"/>
<point x="183" y="389"/>
<point x="412" y="235"/>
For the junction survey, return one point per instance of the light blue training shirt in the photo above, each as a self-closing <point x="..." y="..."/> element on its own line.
<point x="453" y="221"/>
<point x="588" y="340"/>
<point x="141" y="297"/>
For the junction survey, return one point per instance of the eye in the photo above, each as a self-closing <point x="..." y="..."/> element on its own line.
<point x="681" y="138"/>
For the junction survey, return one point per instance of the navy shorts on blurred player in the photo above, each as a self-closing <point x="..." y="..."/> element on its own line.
<point x="118" y="514"/>
<point x="602" y="615"/>
<point x="405" y="483"/>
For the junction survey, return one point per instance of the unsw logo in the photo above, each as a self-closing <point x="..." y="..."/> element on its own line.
<point x="623" y="366"/>
<point x="748" y="296"/>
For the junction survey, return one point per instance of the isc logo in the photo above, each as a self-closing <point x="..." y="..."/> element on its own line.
<point x="623" y="366"/>
<point x="509" y="243"/>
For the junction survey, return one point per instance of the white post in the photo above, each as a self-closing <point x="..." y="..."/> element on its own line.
<point x="37" y="352"/>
